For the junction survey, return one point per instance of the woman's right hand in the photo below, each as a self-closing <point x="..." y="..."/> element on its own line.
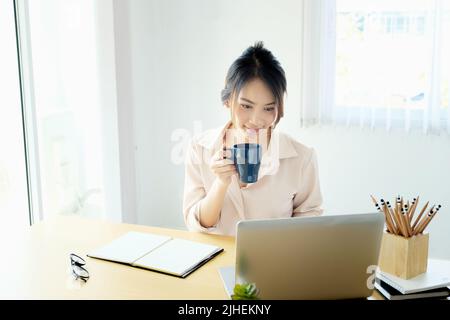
<point x="223" y="168"/>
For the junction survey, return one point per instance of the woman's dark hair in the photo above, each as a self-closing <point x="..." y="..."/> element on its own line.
<point x="256" y="62"/>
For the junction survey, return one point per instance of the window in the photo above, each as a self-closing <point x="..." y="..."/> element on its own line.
<point x="70" y="108"/>
<point x="13" y="181"/>
<point x="390" y="63"/>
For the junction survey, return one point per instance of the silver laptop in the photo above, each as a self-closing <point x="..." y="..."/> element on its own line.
<point x="325" y="257"/>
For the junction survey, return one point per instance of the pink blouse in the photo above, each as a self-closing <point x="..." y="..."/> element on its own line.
<point x="287" y="186"/>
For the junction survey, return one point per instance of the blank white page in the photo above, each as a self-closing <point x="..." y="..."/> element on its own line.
<point x="129" y="247"/>
<point x="177" y="256"/>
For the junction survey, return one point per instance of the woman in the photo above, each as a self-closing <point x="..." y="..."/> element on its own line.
<point x="215" y="199"/>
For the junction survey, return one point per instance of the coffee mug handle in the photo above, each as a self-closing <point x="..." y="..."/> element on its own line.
<point x="232" y="150"/>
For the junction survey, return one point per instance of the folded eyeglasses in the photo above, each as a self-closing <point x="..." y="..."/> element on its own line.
<point x="78" y="270"/>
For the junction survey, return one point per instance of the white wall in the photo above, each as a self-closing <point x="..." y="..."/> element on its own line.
<point x="355" y="163"/>
<point x="178" y="53"/>
<point x="104" y="13"/>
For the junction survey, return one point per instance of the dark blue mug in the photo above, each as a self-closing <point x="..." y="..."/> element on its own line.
<point x="247" y="159"/>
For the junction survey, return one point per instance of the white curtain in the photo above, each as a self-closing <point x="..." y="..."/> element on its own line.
<point x="392" y="72"/>
<point x="318" y="65"/>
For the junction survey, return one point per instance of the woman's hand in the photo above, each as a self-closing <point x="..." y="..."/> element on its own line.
<point x="223" y="168"/>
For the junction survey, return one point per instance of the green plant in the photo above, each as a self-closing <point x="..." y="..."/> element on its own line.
<point x="246" y="291"/>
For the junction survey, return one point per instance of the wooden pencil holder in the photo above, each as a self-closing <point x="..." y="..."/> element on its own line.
<point x="404" y="257"/>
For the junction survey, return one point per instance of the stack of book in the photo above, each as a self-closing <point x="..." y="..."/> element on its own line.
<point x="432" y="284"/>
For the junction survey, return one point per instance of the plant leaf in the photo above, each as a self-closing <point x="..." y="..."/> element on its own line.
<point x="246" y="291"/>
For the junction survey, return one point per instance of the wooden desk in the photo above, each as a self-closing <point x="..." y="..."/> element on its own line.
<point x="39" y="267"/>
<point x="35" y="264"/>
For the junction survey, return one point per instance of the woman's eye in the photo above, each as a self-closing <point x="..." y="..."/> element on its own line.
<point x="246" y="106"/>
<point x="270" y="109"/>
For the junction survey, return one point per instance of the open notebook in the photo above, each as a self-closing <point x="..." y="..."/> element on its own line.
<point x="164" y="254"/>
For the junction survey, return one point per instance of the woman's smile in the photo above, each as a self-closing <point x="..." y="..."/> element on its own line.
<point x="252" y="131"/>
